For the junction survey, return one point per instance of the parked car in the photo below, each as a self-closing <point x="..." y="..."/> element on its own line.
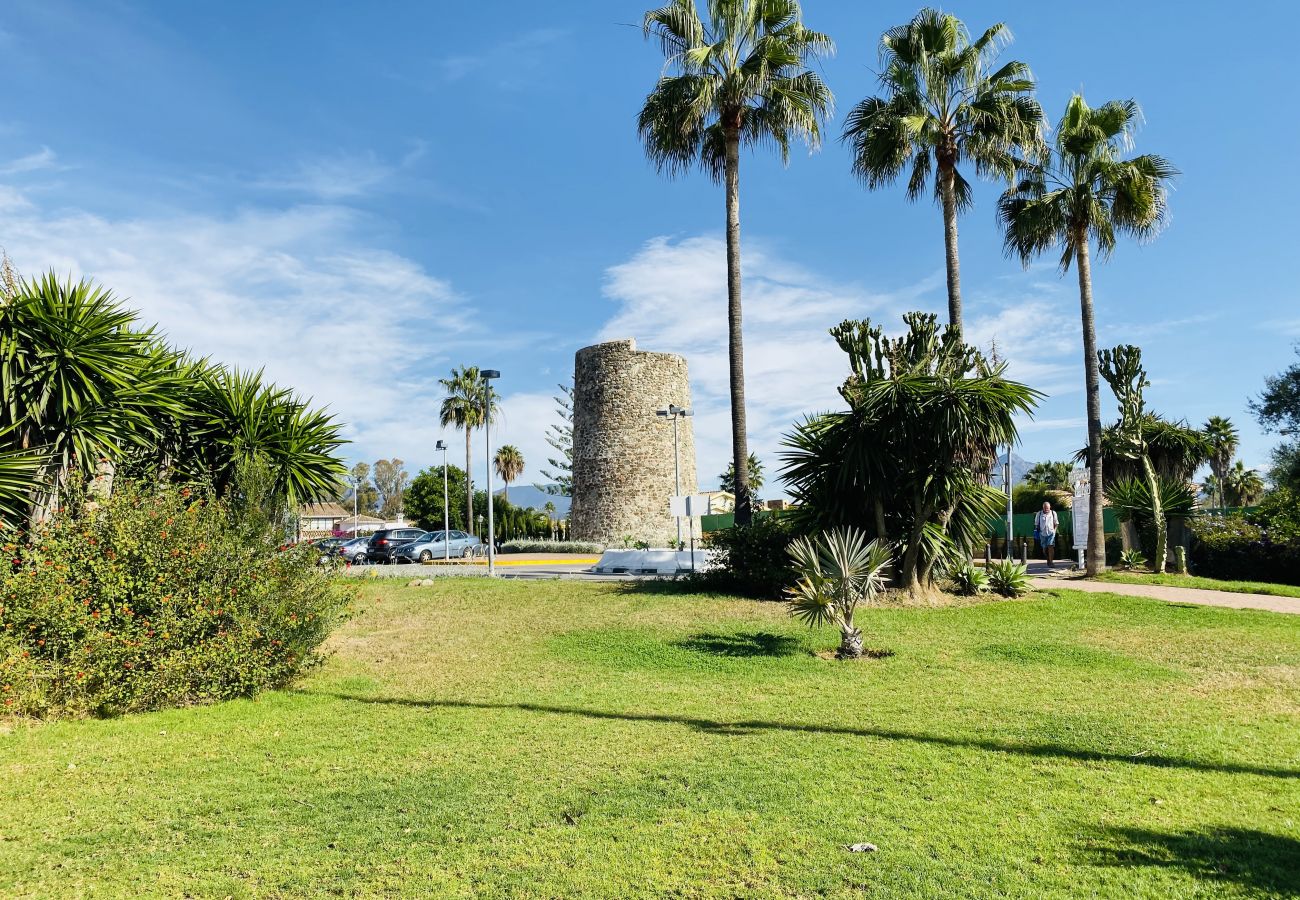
<point x="431" y="545"/>
<point x="353" y="551"/>
<point x="379" y="547"/>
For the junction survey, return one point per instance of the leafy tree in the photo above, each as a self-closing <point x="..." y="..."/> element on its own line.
<point x="944" y="104"/>
<point x="1242" y="486"/>
<point x="1084" y="192"/>
<point x="560" y="436"/>
<point x="367" y="496"/>
<point x="1123" y="371"/>
<point x="727" y="480"/>
<point x="391" y="480"/>
<point x="1222" y="438"/>
<point x="509" y="465"/>
<point x="738" y="76"/>
<point x="469" y="404"/>
<point x="908" y="460"/>
<point x="1278" y="411"/>
<point x="836" y="573"/>
<point x="424" y="499"/>
<point x="1051" y="474"/>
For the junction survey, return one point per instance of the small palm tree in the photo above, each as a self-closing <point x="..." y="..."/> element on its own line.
<point x="944" y="104"/>
<point x="470" y="401"/>
<point x="1242" y="486"/>
<point x="836" y="573"/>
<point x="1222" y="437"/>
<point x="1083" y="192"/>
<point x="738" y="76"/>
<point x="549" y="509"/>
<point x="509" y="465"/>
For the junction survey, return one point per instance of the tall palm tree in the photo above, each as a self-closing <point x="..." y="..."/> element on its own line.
<point x="738" y="76"/>
<point x="1243" y="486"/>
<point x="1222" y="437"/>
<point x="1084" y="192"/>
<point x="469" y="402"/>
<point x="943" y="105"/>
<point x="509" y="465"/>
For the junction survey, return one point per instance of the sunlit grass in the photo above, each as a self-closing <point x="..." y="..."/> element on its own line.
<point x="1194" y="581"/>
<point x="564" y="739"/>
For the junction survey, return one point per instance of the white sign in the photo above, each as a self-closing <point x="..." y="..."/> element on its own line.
<point x="1080" y="512"/>
<point x="688" y="506"/>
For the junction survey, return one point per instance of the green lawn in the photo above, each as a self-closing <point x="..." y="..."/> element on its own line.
<point x="562" y="739"/>
<point x="1194" y="581"/>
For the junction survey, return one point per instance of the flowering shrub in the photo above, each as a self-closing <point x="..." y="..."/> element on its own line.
<point x="1232" y="547"/>
<point x="156" y="598"/>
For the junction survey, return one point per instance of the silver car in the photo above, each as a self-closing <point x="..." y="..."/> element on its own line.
<point x="431" y="545"/>
<point x="353" y="551"/>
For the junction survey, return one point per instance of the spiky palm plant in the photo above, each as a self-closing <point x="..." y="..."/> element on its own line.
<point x="1242" y="486"/>
<point x="1082" y="193"/>
<point x="738" y="75"/>
<point x="509" y="465"/>
<point x="837" y="572"/>
<point x="1222" y="437"/>
<point x="944" y="104"/>
<point x="470" y="401"/>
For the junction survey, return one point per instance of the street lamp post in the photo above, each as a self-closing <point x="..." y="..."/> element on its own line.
<point x="446" y="505"/>
<point x="676" y="412"/>
<point x="488" y="375"/>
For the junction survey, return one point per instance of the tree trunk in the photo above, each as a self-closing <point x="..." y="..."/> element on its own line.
<point x="739" y="440"/>
<point x="1096" y="561"/>
<point x="1157" y="514"/>
<point x="469" y="486"/>
<point x="948" y="192"/>
<point x="850" y="643"/>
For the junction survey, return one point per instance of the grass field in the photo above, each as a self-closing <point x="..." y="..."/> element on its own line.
<point x="563" y="739"/>
<point x="1193" y="581"/>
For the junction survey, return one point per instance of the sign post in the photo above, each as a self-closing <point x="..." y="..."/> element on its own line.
<point x="1079" y="511"/>
<point x="688" y="506"/>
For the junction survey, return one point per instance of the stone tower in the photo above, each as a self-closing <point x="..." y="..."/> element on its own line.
<point x="622" y="451"/>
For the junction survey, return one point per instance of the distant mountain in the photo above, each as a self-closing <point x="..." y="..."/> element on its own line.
<point x="526" y="495"/>
<point x="1019" y="466"/>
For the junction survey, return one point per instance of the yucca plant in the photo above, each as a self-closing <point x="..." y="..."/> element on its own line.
<point x="1132" y="560"/>
<point x="970" y="580"/>
<point x="838" y="571"/>
<point x="1008" y="578"/>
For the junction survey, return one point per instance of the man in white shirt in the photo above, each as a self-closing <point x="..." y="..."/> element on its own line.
<point x="1045" y="524"/>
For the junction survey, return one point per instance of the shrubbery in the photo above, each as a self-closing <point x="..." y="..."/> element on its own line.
<point x="751" y="560"/>
<point x="1232" y="547"/>
<point x="154" y="598"/>
<point x="531" y="545"/>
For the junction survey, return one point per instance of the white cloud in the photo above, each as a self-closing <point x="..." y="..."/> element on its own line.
<point x="42" y="159"/>
<point x="342" y="176"/>
<point x="511" y="62"/>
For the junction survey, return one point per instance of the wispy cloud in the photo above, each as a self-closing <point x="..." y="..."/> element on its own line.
<point x="41" y="160"/>
<point x="342" y="176"/>
<point x="508" y="63"/>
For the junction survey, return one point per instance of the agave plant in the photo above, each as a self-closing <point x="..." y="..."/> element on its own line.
<point x="838" y="571"/>
<point x="1132" y="560"/>
<point x="1008" y="578"/>
<point x="969" y="580"/>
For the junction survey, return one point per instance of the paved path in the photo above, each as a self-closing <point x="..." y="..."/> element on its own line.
<point x="1170" y="594"/>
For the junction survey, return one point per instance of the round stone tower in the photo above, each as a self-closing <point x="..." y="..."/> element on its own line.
<point x="622" y="451"/>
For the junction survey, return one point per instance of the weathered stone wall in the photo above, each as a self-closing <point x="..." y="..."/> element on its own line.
<point x="622" y="451"/>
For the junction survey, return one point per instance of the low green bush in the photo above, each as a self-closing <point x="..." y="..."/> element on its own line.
<point x="969" y="580"/>
<point x="1132" y="559"/>
<point x="531" y="545"/>
<point x="1008" y="578"/>
<point x="154" y="598"/>
<point x="751" y="560"/>
<point x="1233" y="548"/>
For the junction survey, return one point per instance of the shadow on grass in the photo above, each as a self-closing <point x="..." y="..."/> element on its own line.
<point x="754" y="726"/>
<point x="747" y="644"/>
<point x="1253" y="859"/>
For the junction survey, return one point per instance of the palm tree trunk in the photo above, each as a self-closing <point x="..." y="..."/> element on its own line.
<point x="948" y="192"/>
<point x="505" y="490"/>
<point x="469" y="485"/>
<point x="739" y="440"/>
<point x="850" y="642"/>
<point x="1157" y="514"/>
<point x="1096" y="561"/>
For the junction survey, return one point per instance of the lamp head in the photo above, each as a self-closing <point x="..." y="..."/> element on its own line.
<point x="441" y="445"/>
<point x="488" y="374"/>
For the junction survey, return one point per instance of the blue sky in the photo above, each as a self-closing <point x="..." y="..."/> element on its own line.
<point x="360" y="196"/>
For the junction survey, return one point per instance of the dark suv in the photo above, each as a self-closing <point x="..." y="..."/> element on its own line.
<point x="382" y="542"/>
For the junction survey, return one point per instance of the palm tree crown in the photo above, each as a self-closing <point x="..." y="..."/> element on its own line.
<point x="944" y="104"/>
<point x="509" y="465"/>
<point x="1084" y="190"/>
<point x="1222" y="438"/>
<point x="740" y="74"/>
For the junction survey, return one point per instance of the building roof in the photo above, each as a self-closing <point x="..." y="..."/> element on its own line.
<point x="361" y="520"/>
<point x="322" y="511"/>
